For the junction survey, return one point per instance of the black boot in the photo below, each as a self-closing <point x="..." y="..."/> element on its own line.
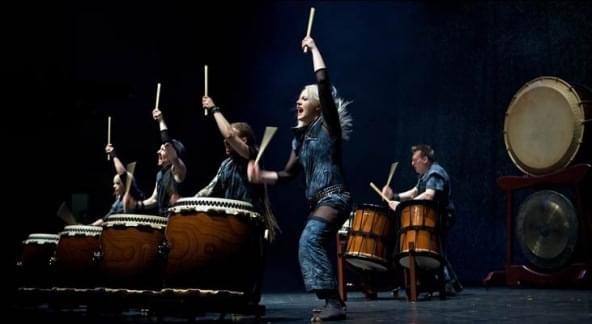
<point x="319" y="308"/>
<point x="334" y="311"/>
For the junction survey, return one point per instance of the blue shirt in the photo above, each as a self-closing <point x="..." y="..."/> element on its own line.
<point x="437" y="179"/>
<point x="166" y="187"/>
<point x="231" y="182"/>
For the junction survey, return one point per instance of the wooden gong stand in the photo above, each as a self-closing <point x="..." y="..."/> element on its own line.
<point x="575" y="274"/>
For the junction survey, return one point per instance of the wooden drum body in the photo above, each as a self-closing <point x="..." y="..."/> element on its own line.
<point x="38" y="249"/>
<point x="130" y="255"/>
<point x="214" y="243"/>
<point x="544" y="126"/>
<point x="419" y="224"/>
<point x="371" y="239"/>
<point x="75" y="255"/>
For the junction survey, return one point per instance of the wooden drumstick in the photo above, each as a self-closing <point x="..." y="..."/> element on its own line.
<point x="205" y="86"/>
<point x="269" y="132"/>
<point x="131" y="167"/>
<point x="309" y="28"/>
<point x="157" y="95"/>
<point x="378" y="191"/>
<point x="391" y="173"/>
<point x="64" y="213"/>
<point x="108" y="135"/>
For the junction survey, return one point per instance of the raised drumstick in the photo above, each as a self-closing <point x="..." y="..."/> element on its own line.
<point x="378" y="191"/>
<point x="269" y="131"/>
<point x="391" y="173"/>
<point x="64" y="213"/>
<point x="157" y="95"/>
<point x="131" y="167"/>
<point x="309" y="28"/>
<point x="205" y="86"/>
<point x="108" y="135"/>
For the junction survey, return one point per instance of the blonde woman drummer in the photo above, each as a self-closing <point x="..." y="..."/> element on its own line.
<point x="322" y="123"/>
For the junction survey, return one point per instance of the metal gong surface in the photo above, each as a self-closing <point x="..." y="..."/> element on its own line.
<point x="547" y="229"/>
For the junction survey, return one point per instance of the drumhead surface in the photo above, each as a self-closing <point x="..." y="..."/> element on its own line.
<point x="216" y="205"/>
<point x="133" y="220"/>
<point x="366" y="262"/>
<point x="544" y="126"/>
<point x="381" y="208"/>
<point x="423" y="260"/>
<point x="42" y="238"/>
<point x="87" y="230"/>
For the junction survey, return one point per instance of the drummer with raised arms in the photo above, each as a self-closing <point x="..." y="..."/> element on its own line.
<point x="119" y="181"/>
<point x="172" y="170"/>
<point x="231" y="181"/>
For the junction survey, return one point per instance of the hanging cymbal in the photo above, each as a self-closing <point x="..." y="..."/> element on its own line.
<point x="547" y="229"/>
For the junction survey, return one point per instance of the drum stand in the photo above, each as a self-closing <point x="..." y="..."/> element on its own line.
<point x="341" y="284"/>
<point x="576" y="274"/>
<point x="411" y="275"/>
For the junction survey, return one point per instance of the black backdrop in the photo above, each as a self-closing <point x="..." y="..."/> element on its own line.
<point x="418" y="72"/>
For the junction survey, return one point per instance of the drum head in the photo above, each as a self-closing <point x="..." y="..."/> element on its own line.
<point x="42" y="238"/>
<point x="544" y="126"/>
<point x="84" y="230"/>
<point x="135" y="220"/>
<point x="366" y="262"/>
<point x="214" y="205"/>
<point x="423" y="260"/>
<point x="383" y="209"/>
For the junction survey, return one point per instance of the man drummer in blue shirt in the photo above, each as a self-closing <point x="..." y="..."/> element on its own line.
<point x="433" y="184"/>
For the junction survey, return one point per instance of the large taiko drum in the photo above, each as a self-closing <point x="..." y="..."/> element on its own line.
<point x="34" y="265"/>
<point x="544" y="129"/>
<point x="214" y="243"/>
<point x="371" y="238"/>
<point x="75" y="262"/>
<point x="419" y="224"/>
<point x="130" y="246"/>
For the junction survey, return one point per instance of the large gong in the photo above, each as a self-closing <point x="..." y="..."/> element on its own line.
<point x="544" y="125"/>
<point x="547" y="229"/>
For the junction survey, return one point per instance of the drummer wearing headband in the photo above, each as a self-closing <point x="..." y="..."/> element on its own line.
<point x="171" y="174"/>
<point x="231" y="180"/>
<point x="433" y="184"/>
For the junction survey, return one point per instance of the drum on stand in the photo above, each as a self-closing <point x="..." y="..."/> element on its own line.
<point x="215" y="243"/>
<point x="129" y="256"/>
<point x="419" y="224"/>
<point x="544" y="128"/>
<point x="371" y="238"/>
<point x="75" y="261"/>
<point x="34" y="265"/>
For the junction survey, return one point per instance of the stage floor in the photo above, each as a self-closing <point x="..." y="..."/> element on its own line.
<point x="472" y="305"/>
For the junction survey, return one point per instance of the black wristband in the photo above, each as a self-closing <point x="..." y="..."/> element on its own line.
<point x="214" y="109"/>
<point x="397" y="197"/>
<point x="164" y="136"/>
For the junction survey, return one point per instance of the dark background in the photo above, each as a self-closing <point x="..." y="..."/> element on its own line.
<point x="418" y="72"/>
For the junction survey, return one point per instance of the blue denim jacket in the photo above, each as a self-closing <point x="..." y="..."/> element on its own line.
<point x="320" y="157"/>
<point x="319" y="154"/>
<point x="231" y="182"/>
<point x="437" y="178"/>
<point x="117" y="206"/>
